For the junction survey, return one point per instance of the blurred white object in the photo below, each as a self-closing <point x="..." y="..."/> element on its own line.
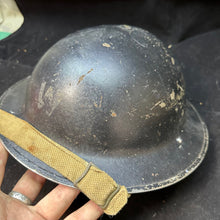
<point x="11" y="18"/>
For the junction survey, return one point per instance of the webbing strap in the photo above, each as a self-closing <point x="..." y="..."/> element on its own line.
<point x="93" y="182"/>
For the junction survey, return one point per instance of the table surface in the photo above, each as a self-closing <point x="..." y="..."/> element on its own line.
<point x="193" y="28"/>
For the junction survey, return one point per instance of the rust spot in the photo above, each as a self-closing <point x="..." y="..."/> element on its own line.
<point x="90" y="71"/>
<point x="32" y="149"/>
<point x="81" y="79"/>
<point x="113" y="114"/>
<point x="100" y="103"/>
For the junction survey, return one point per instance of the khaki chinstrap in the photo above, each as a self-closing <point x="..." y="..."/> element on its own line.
<point x="93" y="182"/>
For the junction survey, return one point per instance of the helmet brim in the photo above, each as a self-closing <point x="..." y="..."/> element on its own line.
<point x="139" y="169"/>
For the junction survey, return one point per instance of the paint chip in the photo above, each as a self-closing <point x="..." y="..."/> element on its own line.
<point x="147" y="116"/>
<point x="106" y="45"/>
<point x="127" y="27"/>
<point x="162" y="104"/>
<point x="172" y="61"/>
<point x="172" y="95"/>
<point x="179" y="140"/>
<point x="113" y="114"/>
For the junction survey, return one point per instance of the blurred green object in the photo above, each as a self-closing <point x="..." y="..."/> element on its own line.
<point x="4" y="35"/>
<point x="11" y="18"/>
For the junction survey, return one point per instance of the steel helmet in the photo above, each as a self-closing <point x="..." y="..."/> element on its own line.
<point x="114" y="96"/>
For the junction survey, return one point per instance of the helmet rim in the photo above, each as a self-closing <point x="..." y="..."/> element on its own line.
<point x="139" y="173"/>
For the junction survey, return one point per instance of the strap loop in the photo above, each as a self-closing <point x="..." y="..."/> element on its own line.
<point x="83" y="174"/>
<point x="110" y="198"/>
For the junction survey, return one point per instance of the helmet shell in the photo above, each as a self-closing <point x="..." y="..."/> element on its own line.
<point x="106" y="88"/>
<point x="113" y="95"/>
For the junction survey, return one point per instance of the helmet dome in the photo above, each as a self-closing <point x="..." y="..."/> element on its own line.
<point x="106" y="88"/>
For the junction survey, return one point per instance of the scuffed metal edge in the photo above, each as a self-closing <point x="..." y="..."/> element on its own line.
<point x="133" y="189"/>
<point x="183" y="174"/>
